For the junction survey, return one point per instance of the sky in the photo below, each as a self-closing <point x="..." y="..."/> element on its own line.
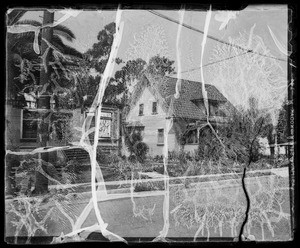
<point x="87" y="24"/>
<point x="146" y="35"/>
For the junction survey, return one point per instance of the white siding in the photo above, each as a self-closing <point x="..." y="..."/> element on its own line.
<point x="152" y="123"/>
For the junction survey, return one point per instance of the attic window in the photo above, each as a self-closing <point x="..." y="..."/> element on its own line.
<point x="154" y="108"/>
<point x="141" y="109"/>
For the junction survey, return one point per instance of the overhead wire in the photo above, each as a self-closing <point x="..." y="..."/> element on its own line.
<point x="212" y="37"/>
<point x="215" y="62"/>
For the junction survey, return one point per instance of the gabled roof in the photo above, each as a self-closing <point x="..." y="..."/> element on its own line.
<point x="184" y="108"/>
<point x="189" y="89"/>
<point x="164" y="88"/>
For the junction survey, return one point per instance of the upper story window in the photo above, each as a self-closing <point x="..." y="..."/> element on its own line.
<point x="141" y="109"/>
<point x="30" y="100"/>
<point x="154" y="108"/>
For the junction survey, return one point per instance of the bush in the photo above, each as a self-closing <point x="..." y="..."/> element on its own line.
<point x="181" y="157"/>
<point x="70" y="172"/>
<point x="141" y="150"/>
<point x="107" y="158"/>
<point x="209" y="146"/>
<point x="149" y="186"/>
<point x="123" y="170"/>
<point x="136" y="147"/>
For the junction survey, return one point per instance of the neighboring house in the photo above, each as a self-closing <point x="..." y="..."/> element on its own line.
<point x="21" y="126"/>
<point x="21" y="135"/>
<point x="279" y="149"/>
<point x="153" y="107"/>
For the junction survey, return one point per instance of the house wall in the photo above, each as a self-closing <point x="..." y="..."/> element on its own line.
<point x="152" y="123"/>
<point x="13" y="139"/>
<point x="13" y="127"/>
<point x="172" y="142"/>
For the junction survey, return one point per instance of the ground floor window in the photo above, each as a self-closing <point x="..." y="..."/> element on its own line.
<point x="29" y="124"/>
<point x="160" y="136"/>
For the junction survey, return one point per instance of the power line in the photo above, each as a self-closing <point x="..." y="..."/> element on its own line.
<point x="215" y="62"/>
<point x="212" y="37"/>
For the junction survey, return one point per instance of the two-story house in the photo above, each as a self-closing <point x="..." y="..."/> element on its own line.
<point x="153" y="102"/>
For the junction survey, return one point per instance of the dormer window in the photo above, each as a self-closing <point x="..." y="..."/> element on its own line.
<point x="154" y="108"/>
<point x="141" y="109"/>
<point x="213" y="107"/>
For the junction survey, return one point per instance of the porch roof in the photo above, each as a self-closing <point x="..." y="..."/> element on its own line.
<point x="134" y="124"/>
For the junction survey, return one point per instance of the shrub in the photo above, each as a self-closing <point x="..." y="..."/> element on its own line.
<point x="181" y="157"/>
<point x="141" y="150"/>
<point x="70" y="172"/>
<point x="136" y="147"/>
<point x="107" y="158"/>
<point x="123" y="170"/>
<point x="149" y="186"/>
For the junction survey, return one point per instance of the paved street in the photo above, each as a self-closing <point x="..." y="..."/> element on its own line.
<point x="145" y="219"/>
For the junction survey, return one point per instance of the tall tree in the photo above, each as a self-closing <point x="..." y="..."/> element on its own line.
<point x="240" y="135"/>
<point x="282" y="124"/>
<point x="129" y="75"/>
<point x="99" y="53"/>
<point x="118" y="88"/>
<point x="247" y="74"/>
<point x="23" y="63"/>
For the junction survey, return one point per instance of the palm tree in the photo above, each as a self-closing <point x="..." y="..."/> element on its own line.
<point x="20" y="47"/>
<point x="22" y="43"/>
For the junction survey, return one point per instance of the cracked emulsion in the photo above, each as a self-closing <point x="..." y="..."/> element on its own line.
<point x="84" y="143"/>
<point x="211" y="205"/>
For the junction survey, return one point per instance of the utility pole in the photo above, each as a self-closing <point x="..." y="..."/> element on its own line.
<point x="43" y="105"/>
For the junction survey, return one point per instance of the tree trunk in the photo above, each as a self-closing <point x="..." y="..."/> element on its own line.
<point x="272" y="141"/>
<point x="41" y="183"/>
<point x="272" y="151"/>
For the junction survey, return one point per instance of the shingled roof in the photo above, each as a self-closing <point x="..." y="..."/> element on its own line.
<point x="189" y="89"/>
<point x="164" y="89"/>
